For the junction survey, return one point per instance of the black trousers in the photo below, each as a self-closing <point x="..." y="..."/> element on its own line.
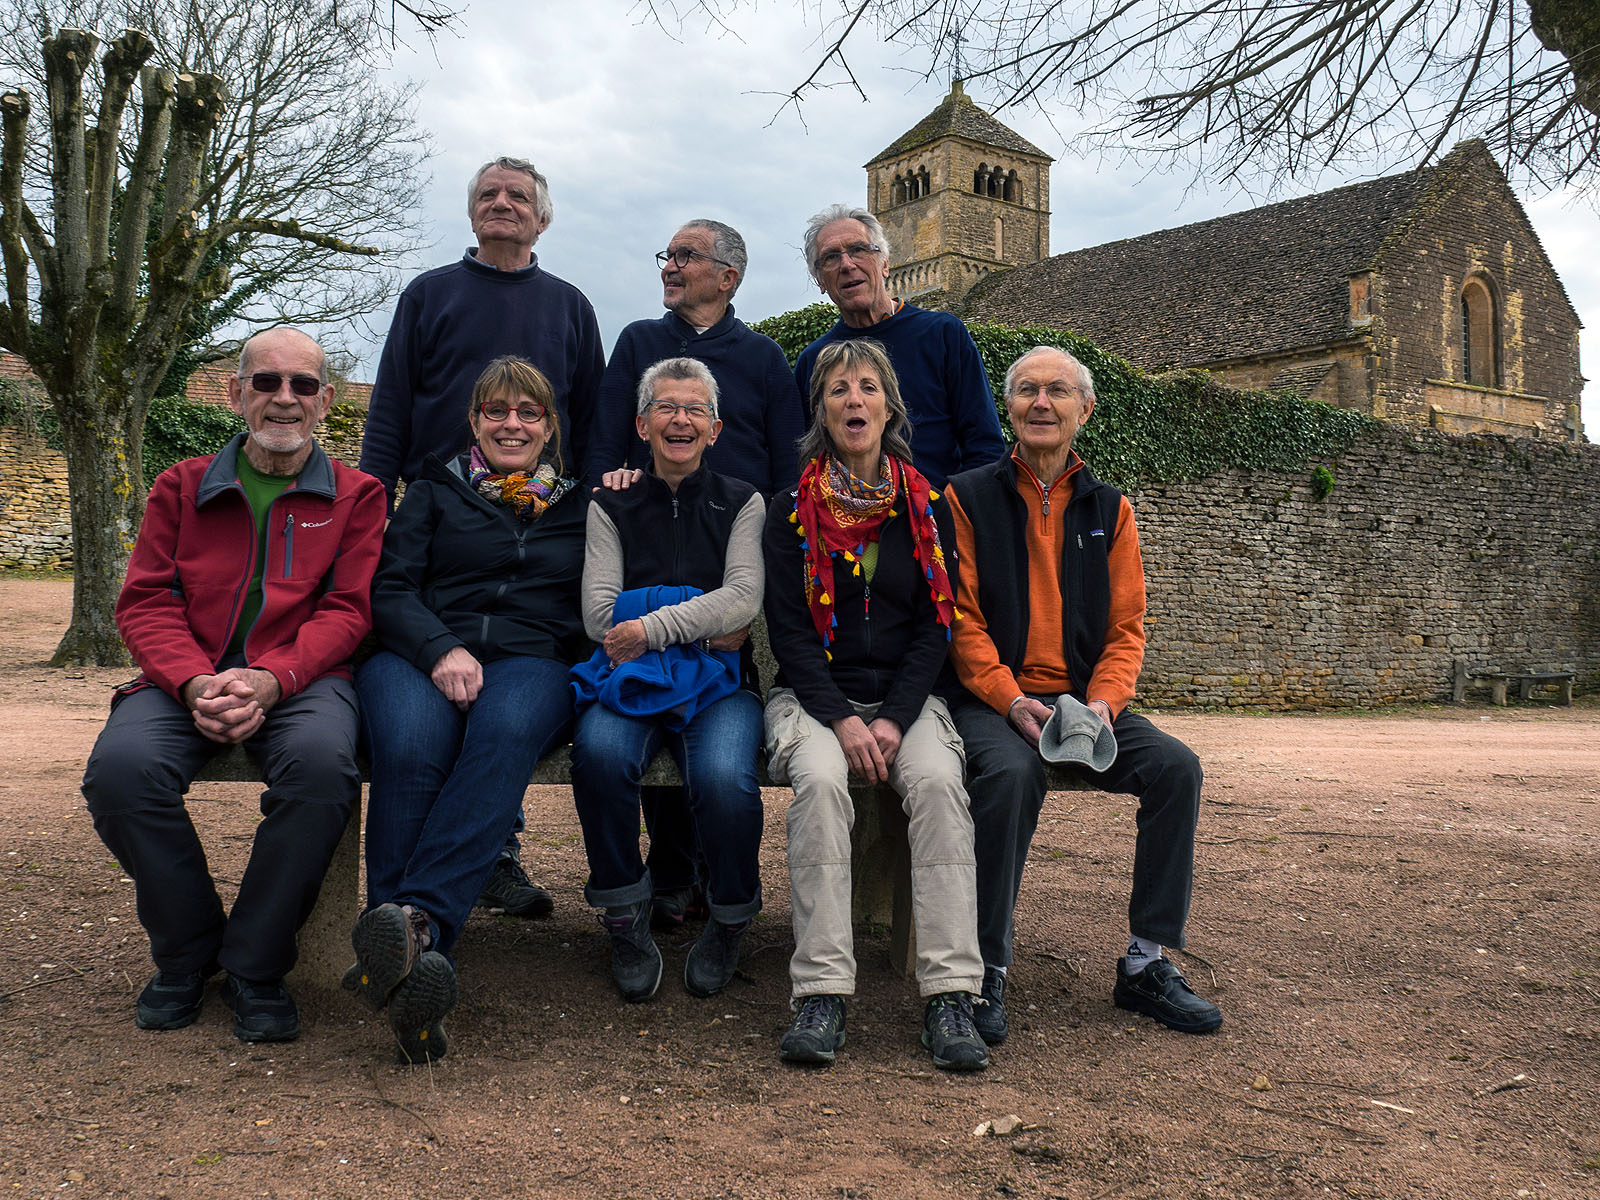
<point x="1005" y="780"/>
<point x="141" y="766"/>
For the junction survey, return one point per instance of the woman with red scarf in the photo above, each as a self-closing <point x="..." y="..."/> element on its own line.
<point x="859" y="604"/>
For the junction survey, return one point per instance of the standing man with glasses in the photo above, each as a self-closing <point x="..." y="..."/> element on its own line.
<point x="450" y="324"/>
<point x="701" y="269"/>
<point x="954" y="426"/>
<point x="247" y="592"/>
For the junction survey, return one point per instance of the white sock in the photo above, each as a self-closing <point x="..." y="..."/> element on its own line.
<point x="1140" y="954"/>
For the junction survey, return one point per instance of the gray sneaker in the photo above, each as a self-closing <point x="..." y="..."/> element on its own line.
<point x="388" y="940"/>
<point x="713" y="958"/>
<point x="419" y="1005"/>
<point x="635" y="960"/>
<point x="989" y="1013"/>
<point x="948" y="1033"/>
<point x="509" y="890"/>
<point x="816" y="1032"/>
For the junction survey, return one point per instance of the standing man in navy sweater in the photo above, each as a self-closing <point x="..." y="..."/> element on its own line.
<point x="451" y="323"/>
<point x="953" y="422"/>
<point x="701" y="268"/>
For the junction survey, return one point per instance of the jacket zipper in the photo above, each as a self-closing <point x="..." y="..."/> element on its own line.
<point x="288" y="546"/>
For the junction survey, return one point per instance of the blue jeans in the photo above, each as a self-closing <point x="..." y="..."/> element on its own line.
<point x="447" y="785"/>
<point x="717" y="756"/>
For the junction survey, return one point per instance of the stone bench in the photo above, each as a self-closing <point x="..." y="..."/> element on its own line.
<point x="1469" y="676"/>
<point x="880" y="857"/>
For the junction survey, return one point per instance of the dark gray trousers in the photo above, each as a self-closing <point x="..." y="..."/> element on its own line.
<point x="141" y="766"/>
<point x="1005" y="780"/>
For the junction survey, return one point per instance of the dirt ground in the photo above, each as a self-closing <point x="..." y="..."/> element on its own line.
<point x="1397" y="913"/>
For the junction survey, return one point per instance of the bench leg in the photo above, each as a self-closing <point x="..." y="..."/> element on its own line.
<point x="1564" y="692"/>
<point x="325" y="937"/>
<point x="880" y="869"/>
<point x="1500" y="692"/>
<point x="1524" y="690"/>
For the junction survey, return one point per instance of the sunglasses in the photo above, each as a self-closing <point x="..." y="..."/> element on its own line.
<point x="268" y="383"/>
<point x="499" y="410"/>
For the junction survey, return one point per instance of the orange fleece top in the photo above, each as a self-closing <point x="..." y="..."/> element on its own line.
<point x="1044" y="668"/>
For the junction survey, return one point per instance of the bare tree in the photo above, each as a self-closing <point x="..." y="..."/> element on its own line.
<point x="1246" y="89"/>
<point x="240" y="145"/>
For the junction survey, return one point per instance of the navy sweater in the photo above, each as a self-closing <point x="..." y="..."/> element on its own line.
<point x="761" y="419"/>
<point x="450" y="323"/>
<point x="954" y="426"/>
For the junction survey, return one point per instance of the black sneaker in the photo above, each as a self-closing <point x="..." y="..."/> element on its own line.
<point x="388" y="940"/>
<point x="989" y="1013"/>
<point x="816" y="1032"/>
<point x="948" y="1034"/>
<point x="509" y="891"/>
<point x="419" y="1005"/>
<point x="171" y="1000"/>
<point x="1162" y="993"/>
<point x="262" y="1012"/>
<point x="713" y="958"/>
<point x="668" y="909"/>
<point x="635" y="960"/>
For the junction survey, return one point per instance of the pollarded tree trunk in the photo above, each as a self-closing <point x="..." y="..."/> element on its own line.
<point x="106" y="492"/>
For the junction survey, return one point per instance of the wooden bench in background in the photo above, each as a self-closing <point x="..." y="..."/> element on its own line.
<point x="1468" y="676"/>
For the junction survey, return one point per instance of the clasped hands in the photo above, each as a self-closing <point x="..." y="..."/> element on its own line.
<point x="230" y="706"/>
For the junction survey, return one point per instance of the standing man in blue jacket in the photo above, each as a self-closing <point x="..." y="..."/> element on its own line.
<point x="954" y="426"/>
<point x="451" y="323"/>
<point x="701" y="269"/>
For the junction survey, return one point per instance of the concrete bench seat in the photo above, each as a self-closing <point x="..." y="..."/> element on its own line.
<point x="1469" y="676"/>
<point x="879" y="851"/>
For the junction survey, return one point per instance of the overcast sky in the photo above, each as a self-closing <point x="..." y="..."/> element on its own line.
<point x="638" y="131"/>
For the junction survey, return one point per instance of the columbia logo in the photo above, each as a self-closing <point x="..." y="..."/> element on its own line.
<point x="315" y="524"/>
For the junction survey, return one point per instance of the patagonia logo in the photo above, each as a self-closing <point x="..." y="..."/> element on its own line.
<point x="718" y="507"/>
<point x="315" y="524"/>
<point x="1097" y="533"/>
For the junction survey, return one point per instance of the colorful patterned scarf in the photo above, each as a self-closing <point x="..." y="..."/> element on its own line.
<point x="530" y="495"/>
<point x="835" y="513"/>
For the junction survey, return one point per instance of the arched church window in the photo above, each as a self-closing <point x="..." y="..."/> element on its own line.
<point x="980" y="179"/>
<point x="1480" y="328"/>
<point x="1013" y="190"/>
<point x="898" y="194"/>
<point x="923" y="187"/>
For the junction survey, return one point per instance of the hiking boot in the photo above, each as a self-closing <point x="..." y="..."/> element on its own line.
<point x="948" y="1034"/>
<point x="989" y="1013"/>
<point x="419" y="1005"/>
<point x="171" y="1000"/>
<point x="1162" y="993"/>
<point x="713" y="958"/>
<point x="635" y="960"/>
<point x="816" y="1032"/>
<point x="668" y="909"/>
<point x="388" y="940"/>
<point x="509" y="891"/>
<point x="262" y="1012"/>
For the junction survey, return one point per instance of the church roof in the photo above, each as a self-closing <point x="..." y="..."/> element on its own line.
<point x="1255" y="282"/>
<point x="958" y="116"/>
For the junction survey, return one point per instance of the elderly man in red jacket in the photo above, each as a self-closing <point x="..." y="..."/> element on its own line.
<point x="246" y="595"/>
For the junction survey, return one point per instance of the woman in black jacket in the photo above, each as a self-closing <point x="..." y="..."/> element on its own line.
<point x="859" y="605"/>
<point x="476" y="605"/>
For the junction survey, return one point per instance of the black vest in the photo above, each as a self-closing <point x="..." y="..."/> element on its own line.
<point x="999" y="517"/>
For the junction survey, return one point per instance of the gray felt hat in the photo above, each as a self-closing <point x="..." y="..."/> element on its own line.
<point x="1074" y="734"/>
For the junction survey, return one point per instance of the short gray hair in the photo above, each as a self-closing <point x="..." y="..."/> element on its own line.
<point x="542" y="208"/>
<point x="676" y="368"/>
<point x="1085" y="379"/>
<point x="840" y="212"/>
<point x="726" y="244"/>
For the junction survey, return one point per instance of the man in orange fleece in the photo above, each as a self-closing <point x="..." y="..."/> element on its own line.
<point x="1051" y="598"/>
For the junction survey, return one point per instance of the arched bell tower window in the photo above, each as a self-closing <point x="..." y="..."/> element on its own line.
<point x="1480" y="333"/>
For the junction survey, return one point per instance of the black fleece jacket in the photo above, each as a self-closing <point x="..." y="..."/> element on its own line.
<point x="461" y="570"/>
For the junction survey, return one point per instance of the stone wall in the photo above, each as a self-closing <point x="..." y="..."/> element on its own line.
<point x="1430" y="548"/>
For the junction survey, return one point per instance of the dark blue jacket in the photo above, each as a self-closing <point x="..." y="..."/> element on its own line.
<point x="761" y="418"/>
<point x="449" y="325"/>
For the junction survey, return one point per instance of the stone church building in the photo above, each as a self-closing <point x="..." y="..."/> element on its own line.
<point x="1423" y="297"/>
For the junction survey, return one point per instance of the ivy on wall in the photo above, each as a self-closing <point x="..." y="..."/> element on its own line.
<point x="1146" y="429"/>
